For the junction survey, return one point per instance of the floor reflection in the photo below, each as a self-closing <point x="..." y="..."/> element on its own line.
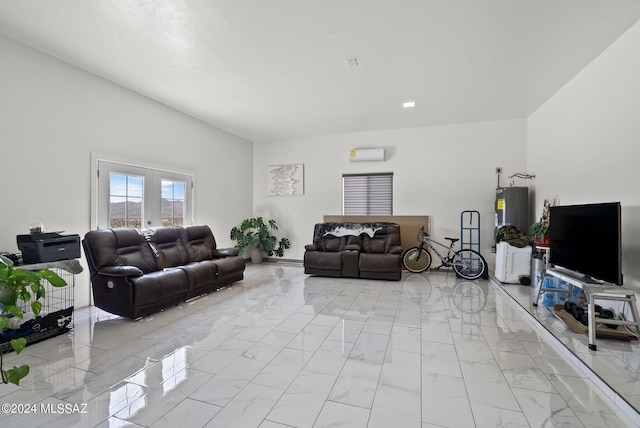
<point x="282" y="348"/>
<point x="615" y="365"/>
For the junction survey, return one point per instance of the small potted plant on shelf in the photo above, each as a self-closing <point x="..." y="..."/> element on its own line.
<point x="539" y="231"/>
<point x="20" y="284"/>
<point x="255" y="234"/>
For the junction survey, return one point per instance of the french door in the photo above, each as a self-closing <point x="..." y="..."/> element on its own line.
<point x="137" y="196"/>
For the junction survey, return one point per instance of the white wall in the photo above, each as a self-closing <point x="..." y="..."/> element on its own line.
<point x="54" y="116"/>
<point x="438" y="171"/>
<point x="583" y="144"/>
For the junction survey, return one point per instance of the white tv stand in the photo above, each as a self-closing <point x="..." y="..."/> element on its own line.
<point x="593" y="292"/>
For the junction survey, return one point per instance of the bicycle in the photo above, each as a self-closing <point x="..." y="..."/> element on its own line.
<point x="466" y="263"/>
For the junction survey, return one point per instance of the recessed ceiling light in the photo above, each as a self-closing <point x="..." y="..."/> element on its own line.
<point x="409" y="104"/>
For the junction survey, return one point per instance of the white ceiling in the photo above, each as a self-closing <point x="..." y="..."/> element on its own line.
<point x="275" y="69"/>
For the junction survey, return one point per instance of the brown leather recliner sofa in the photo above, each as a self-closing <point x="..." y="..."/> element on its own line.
<point x="355" y="250"/>
<point x="135" y="272"/>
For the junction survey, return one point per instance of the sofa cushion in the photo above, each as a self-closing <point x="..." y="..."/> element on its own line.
<point x="159" y="286"/>
<point x="119" y="247"/>
<point x="380" y="262"/>
<point x="229" y="266"/>
<point x="383" y="240"/>
<point x="201" y="274"/>
<point x="377" y="244"/>
<point x="327" y="242"/>
<point x="99" y="246"/>
<point x="168" y="246"/>
<point x="331" y="243"/>
<point x="323" y="260"/>
<point x="199" y="242"/>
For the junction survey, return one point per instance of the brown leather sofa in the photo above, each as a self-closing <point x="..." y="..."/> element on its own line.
<point x="344" y="250"/>
<point x="137" y="272"/>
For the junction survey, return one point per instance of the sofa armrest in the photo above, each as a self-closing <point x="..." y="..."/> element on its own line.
<point x="120" y="271"/>
<point x="312" y="247"/>
<point x="225" y="252"/>
<point x="353" y="247"/>
<point x="396" y="249"/>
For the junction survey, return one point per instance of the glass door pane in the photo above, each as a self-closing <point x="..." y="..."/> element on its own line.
<point x="126" y="197"/>
<point x="173" y="203"/>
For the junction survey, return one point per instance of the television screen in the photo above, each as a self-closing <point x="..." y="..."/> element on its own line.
<point x="587" y="239"/>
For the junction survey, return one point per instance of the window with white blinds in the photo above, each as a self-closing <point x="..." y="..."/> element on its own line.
<point x="367" y="194"/>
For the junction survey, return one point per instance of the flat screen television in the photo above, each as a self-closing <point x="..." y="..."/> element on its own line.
<point x="587" y="239"/>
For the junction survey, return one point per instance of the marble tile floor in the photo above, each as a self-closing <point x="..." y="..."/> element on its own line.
<point x="615" y="366"/>
<point x="283" y="349"/>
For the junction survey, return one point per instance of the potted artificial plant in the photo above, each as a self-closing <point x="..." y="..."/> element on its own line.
<point x="540" y="231"/>
<point x="20" y="284"/>
<point x="255" y="234"/>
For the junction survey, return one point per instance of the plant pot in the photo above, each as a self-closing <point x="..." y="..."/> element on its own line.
<point x="256" y="255"/>
<point x="543" y="242"/>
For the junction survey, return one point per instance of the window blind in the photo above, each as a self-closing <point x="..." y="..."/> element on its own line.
<point x="367" y="194"/>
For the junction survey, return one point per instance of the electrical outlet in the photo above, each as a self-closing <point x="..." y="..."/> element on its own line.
<point x="498" y="170"/>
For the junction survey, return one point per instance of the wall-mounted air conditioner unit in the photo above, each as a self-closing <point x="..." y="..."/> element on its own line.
<point x="366" y="155"/>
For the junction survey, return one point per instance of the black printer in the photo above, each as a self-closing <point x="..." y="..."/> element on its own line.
<point x="48" y="247"/>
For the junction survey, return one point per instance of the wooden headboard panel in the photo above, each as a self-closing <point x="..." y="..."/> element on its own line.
<point x="409" y="225"/>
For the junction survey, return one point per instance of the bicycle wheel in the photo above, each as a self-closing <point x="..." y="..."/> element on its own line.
<point x="416" y="260"/>
<point x="468" y="264"/>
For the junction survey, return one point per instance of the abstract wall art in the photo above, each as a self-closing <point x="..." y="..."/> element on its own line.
<point x="285" y="180"/>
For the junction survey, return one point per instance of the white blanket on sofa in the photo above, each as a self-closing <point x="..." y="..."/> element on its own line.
<point x="352" y="229"/>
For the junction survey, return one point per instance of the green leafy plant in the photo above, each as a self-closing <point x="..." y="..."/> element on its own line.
<point x="24" y="285"/>
<point x="539" y="230"/>
<point x="256" y="233"/>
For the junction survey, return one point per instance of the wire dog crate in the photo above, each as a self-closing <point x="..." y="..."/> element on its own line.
<point x="56" y="316"/>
